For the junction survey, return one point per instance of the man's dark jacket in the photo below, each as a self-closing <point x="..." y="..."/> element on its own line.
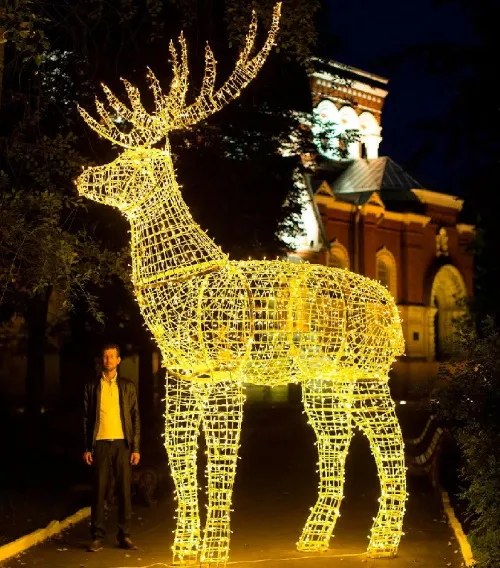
<point x="129" y="412"/>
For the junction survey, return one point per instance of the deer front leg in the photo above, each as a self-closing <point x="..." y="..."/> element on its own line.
<point x="222" y="417"/>
<point x="182" y="425"/>
<point x="373" y="412"/>
<point x="325" y="408"/>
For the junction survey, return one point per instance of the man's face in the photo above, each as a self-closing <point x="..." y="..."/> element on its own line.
<point x="110" y="360"/>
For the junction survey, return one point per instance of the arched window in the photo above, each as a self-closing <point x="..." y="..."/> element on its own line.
<point x="326" y="128"/>
<point x="339" y="257"/>
<point x="448" y="289"/>
<point x="349" y="122"/>
<point x="370" y="135"/>
<point x="386" y="270"/>
<point x="368" y="124"/>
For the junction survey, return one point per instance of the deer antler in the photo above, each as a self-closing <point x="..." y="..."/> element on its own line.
<point x="146" y="129"/>
<point x="171" y="111"/>
<point x="245" y="70"/>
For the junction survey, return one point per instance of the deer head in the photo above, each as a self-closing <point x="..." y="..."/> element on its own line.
<point x="141" y="168"/>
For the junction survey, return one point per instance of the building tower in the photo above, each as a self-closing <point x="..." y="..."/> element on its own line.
<point x="365" y="213"/>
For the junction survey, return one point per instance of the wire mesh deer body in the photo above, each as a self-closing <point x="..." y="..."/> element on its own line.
<point x="222" y="323"/>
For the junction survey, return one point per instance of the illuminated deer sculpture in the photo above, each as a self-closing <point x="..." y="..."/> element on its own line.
<point x="222" y="323"/>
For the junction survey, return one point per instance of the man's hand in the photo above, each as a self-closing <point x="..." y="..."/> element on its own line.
<point x="134" y="458"/>
<point x="87" y="458"/>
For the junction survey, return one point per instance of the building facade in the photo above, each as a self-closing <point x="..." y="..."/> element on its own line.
<point x="366" y="214"/>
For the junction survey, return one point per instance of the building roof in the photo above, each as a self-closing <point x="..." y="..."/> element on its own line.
<point x="375" y="175"/>
<point x="379" y="181"/>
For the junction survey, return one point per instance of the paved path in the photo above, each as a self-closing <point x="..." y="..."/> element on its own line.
<point x="275" y="488"/>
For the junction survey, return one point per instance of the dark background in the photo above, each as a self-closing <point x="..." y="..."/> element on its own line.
<point x="375" y="36"/>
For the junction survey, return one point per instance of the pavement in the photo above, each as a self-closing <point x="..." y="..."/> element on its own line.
<point x="275" y="486"/>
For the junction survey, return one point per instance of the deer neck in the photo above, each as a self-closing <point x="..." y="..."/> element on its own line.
<point x="166" y="243"/>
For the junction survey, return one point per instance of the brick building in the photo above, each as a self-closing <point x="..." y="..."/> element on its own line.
<point x="366" y="214"/>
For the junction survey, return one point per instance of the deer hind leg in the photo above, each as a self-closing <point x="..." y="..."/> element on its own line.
<point x="325" y="405"/>
<point x="374" y="414"/>
<point x="222" y="417"/>
<point x="182" y="426"/>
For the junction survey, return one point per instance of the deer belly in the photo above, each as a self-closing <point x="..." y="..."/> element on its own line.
<point x="298" y="315"/>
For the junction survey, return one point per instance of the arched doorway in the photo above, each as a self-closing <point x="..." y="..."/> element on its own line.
<point x="447" y="291"/>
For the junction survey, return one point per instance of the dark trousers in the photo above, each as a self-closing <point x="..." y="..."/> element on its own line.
<point x="111" y="458"/>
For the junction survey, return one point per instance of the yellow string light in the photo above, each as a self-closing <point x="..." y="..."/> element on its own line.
<point x="222" y="323"/>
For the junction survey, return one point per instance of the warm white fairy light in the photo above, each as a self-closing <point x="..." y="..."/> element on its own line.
<point x="220" y="323"/>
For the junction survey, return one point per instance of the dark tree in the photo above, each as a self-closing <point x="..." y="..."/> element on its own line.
<point x="236" y="181"/>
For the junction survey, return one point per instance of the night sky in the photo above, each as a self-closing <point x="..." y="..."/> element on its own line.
<point x="372" y="32"/>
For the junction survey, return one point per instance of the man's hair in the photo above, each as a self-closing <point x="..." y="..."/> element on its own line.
<point x="111" y="346"/>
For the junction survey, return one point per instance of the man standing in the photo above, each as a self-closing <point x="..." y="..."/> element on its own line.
<point x="112" y="435"/>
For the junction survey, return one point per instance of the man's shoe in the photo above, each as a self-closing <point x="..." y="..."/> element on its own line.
<point x="95" y="545"/>
<point x="126" y="543"/>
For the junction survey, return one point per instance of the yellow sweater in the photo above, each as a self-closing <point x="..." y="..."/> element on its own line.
<point x="110" y="422"/>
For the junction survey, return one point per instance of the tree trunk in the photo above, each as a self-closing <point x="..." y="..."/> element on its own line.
<point x="36" y="319"/>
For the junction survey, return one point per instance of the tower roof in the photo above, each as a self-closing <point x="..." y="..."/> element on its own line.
<point x="375" y="175"/>
<point x="337" y="69"/>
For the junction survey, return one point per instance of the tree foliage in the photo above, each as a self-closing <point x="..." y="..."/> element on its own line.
<point x="469" y="403"/>
<point x="41" y="246"/>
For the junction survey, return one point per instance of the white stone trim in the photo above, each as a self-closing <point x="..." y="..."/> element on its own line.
<point x="440" y="199"/>
<point x="364" y="88"/>
<point x="331" y="202"/>
<point x="324" y="190"/>
<point x="465" y="228"/>
<point x="369" y="109"/>
<point x="375" y="200"/>
<point x="405" y="218"/>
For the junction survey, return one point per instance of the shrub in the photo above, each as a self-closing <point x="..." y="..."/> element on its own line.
<point x="468" y="398"/>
